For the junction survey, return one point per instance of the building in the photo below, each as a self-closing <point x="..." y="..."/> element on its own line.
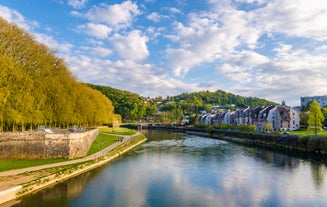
<point x="280" y="118"/>
<point x="322" y="100"/>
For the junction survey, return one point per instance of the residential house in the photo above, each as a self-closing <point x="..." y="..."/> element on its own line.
<point x="279" y="117"/>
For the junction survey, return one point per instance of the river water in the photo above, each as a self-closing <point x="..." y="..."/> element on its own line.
<point x="174" y="169"/>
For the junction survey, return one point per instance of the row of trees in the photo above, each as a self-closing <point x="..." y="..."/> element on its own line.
<point x="36" y="88"/>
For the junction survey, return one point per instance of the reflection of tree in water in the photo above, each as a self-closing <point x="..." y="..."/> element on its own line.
<point x="156" y="135"/>
<point x="318" y="174"/>
<point x="60" y="194"/>
<point x="275" y="158"/>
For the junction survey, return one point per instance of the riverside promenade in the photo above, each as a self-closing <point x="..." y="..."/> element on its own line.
<point x="84" y="159"/>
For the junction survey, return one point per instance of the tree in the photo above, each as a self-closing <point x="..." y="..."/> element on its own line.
<point x="36" y="87"/>
<point x="316" y="117"/>
<point x="268" y="127"/>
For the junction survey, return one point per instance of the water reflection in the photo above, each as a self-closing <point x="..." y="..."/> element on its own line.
<point x="274" y="158"/>
<point x="174" y="169"/>
<point x="318" y="172"/>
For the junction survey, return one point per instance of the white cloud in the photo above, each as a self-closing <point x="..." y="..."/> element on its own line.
<point x="175" y="10"/>
<point x="77" y="4"/>
<point x="143" y="79"/>
<point x="119" y="16"/>
<point x="290" y="74"/>
<point x="294" y="18"/>
<point x="52" y="43"/>
<point x="132" y="46"/>
<point x="251" y="1"/>
<point x="98" y="51"/>
<point x="12" y="15"/>
<point x="155" y="17"/>
<point x="247" y="59"/>
<point x="181" y="60"/>
<point x="96" y="30"/>
<point x="204" y="39"/>
<point x="235" y="73"/>
<point x="300" y="60"/>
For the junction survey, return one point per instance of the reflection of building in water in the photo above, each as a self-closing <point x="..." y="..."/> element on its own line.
<point x="278" y="159"/>
<point x="318" y="174"/>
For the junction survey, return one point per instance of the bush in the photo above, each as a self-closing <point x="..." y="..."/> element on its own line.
<point x="210" y="129"/>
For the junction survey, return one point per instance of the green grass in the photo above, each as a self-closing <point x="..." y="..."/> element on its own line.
<point x="120" y="131"/>
<point x="18" y="164"/>
<point x="304" y="132"/>
<point x="102" y="141"/>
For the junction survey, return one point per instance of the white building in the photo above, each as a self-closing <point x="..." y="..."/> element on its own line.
<point x="322" y="100"/>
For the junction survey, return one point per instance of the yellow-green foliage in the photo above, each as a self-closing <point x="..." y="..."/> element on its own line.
<point x="316" y="117"/>
<point x="37" y="88"/>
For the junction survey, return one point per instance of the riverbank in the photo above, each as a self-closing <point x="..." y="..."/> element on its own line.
<point x="30" y="182"/>
<point x="315" y="146"/>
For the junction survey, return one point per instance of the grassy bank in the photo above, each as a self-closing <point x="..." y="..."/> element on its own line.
<point x="18" y="164"/>
<point x="119" y="131"/>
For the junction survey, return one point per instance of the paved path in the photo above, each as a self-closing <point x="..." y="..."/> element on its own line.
<point x="58" y="164"/>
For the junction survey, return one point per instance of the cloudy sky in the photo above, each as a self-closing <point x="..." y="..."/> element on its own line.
<point x="273" y="49"/>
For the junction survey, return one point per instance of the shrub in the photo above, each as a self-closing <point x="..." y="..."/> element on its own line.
<point x="210" y="129"/>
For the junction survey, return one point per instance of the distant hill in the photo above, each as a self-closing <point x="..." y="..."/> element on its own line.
<point x="220" y="98"/>
<point x="196" y="102"/>
<point x="132" y="106"/>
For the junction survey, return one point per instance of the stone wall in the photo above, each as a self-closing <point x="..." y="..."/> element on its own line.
<point x="41" y="145"/>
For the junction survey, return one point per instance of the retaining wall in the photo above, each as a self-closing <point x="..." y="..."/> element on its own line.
<point x="41" y="145"/>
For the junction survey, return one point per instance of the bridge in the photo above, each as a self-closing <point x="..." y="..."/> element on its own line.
<point x="139" y="125"/>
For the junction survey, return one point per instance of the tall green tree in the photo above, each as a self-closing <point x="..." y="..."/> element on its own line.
<point x="37" y="88"/>
<point x="316" y="117"/>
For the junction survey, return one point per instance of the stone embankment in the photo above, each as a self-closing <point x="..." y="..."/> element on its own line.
<point x="72" y="170"/>
<point x="43" y="145"/>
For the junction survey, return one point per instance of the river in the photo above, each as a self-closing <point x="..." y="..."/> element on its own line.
<point x="174" y="169"/>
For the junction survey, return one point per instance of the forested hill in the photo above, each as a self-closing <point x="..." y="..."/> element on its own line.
<point x="133" y="107"/>
<point x="220" y="98"/>
<point x="196" y="102"/>
<point x="129" y="105"/>
<point x="36" y="87"/>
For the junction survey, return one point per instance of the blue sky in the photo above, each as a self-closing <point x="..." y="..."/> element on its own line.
<point x="273" y="49"/>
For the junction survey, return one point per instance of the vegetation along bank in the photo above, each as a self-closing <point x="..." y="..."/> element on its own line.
<point x="315" y="145"/>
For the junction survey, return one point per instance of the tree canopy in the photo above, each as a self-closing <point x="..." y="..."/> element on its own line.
<point x="130" y="106"/>
<point x="316" y="117"/>
<point x="36" y="87"/>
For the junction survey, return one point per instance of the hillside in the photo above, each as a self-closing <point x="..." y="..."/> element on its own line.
<point x="134" y="107"/>
<point x="205" y="100"/>
<point x="36" y="87"/>
<point x="130" y="106"/>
